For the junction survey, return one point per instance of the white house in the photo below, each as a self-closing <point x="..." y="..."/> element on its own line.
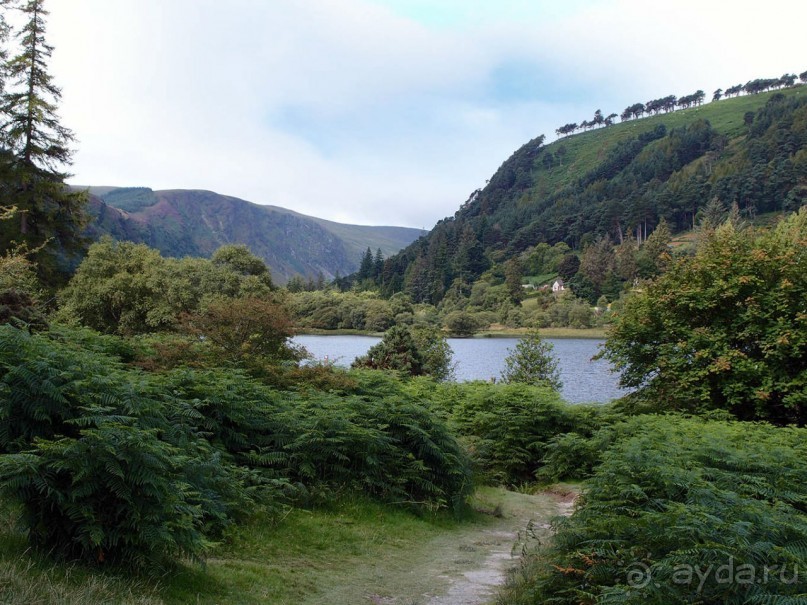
<point x="558" y="286"/>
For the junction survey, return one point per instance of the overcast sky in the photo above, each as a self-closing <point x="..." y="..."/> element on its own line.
<point x="377" y="111"/>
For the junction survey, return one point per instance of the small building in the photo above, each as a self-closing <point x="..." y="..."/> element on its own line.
<point x="558" y="286"/>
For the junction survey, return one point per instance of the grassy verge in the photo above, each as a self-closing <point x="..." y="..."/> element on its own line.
<point x="31" y="578"/>
<point x="342" y="554"/>
<point x="598" y="333"/>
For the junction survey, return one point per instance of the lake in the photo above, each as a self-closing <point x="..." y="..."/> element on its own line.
<point x="584" y="380"/>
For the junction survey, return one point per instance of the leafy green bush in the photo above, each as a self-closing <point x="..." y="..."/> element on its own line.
<point x="725" y="329"/>
<point x="127" y="288"/>
<point x="238" y="415"/>
<point x="507" y="428"/>
<point x="101" y="460"/>
<point x="114" y="464"/>
<point x="683" y="511"/>
<point x="410" y="351"/>
<point x="391" y="448"/>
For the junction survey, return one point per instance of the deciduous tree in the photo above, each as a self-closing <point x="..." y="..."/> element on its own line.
<point x="724" y="329"/>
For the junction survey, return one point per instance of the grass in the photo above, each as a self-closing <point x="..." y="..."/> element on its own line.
<point x="585" y="150"/>
<point x="30" y="578"/>
<point x="339" y="555"/>
<point x="303" y="557"/>
<point x="538" y="280"/>
<point x="598" y="333"/>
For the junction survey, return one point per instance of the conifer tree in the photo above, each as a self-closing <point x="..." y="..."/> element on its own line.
<point x="532" y="362"/>
<point x="378" y="264"/>
<point x="366" y="267"/>
<point x="35" y="149"/>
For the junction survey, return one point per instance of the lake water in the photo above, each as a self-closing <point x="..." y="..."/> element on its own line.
<point x="584" y="380"/>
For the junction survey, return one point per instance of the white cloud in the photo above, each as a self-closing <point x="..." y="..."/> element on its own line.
<point x="361" y="111"/>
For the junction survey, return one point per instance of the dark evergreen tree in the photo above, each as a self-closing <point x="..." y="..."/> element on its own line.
<point x="378" y="265"/>
<point x="35" y="148"/>
<point x="513" y="272"/>
<point x="366" y="267"/>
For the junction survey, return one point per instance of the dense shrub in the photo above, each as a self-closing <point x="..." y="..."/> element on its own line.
<point x="683" y="511"/>
<point x="724" y="329"/>
<point x="507" y="428"/>
<point x="111" y="463"/>
<point x="531" y="362"/>
<point x="100" y="458"/>
<point x="410" y="351"/>
<point x="391" y="448"/>
<point x="127" y="288"/>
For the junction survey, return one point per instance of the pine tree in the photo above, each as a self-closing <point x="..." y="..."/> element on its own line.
<point x="378" y="265"/>
<point x="366" y="267"/>
<point x="35" y="147"/>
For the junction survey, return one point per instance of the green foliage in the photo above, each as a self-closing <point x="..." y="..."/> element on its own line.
<point x="328" y="310"/>
<point x="50" y="218"/>
<point x="20" y="289"/>
<point x="681" y="511"/>
<point x="531" y="362"/>
<point x="412" y="352"/>
<point x="130" y="199"/>
<point x="127" y="288"/>
<point x="724" y="329"/>
<point x="461" y="323"/>
<point x="118" y="288"/>
<point x="389" y="447"/>
<point x="240" y="260"/>
<point x="105" y="467"/>
<point x="624" y="179"/>
<point x="245" y="329"/>
<point x="113" y="464"/>
<point x="506" y="427"/>
<point x="435" y="352"/>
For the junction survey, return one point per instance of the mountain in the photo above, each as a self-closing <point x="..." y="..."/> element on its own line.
<point x="196" y="223"/>
<point x="615" y="181"/>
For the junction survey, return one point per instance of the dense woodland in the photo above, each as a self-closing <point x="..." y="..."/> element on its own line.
<point x="656" y="175"/>
<point x="152" y="406"/>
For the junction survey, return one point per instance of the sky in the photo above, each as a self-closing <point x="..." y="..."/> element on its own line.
<point x="379" y="112"/>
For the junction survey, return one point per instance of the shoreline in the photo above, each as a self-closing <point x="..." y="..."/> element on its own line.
<point x="590" y="333"/>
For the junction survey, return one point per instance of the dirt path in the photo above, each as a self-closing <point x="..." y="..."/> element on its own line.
<point x="463" y="566"/>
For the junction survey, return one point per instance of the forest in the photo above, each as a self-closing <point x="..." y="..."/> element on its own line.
<point x="161" y="441"/>
<point x="612" y="185"/>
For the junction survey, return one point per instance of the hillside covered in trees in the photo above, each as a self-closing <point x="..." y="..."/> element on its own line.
<point x="615" y="185"/>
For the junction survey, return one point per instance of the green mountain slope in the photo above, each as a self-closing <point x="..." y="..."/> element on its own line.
<point x="196" y="223"/>
<point x="617" y="180"/>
